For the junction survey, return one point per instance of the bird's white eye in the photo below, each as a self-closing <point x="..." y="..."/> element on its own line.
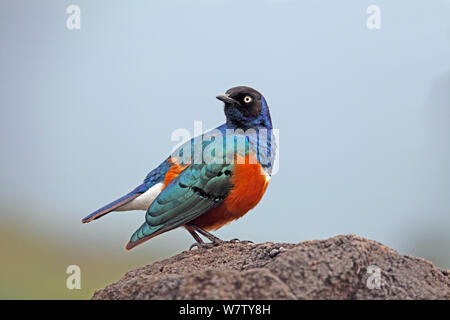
<point x="247" y="99"/>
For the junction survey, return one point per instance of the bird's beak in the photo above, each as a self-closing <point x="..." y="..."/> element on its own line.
<point x="226" y="98"/>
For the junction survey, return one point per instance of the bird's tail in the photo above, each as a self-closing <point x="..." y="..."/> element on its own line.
<point x="111" y="206"/>
<point x="144" y="233"/>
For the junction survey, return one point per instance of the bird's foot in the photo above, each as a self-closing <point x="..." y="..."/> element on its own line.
<point x="235" y="240"/>
<point x="203" y="245"/>
<point x="209" y="245"/>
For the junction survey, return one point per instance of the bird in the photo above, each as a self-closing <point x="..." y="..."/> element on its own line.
<point x="203" y="193"/>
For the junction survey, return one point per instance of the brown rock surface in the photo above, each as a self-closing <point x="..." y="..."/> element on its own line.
<point x="335" y="268"/>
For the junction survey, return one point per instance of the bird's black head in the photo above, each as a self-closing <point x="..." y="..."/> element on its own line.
<point x="245" y="108"/>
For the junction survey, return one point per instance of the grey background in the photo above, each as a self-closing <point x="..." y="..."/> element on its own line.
<point x="363" y="115"/>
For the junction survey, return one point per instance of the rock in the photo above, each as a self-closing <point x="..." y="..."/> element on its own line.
<point x="342" y="267"/>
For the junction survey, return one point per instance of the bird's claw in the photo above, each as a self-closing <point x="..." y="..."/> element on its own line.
<point x="202" y="245"/>
<point x="235" y="240"/>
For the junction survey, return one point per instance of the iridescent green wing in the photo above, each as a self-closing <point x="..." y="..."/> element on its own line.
<point x="199" y="188"/>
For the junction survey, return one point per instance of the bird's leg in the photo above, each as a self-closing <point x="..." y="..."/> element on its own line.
<point x="193" y="234"/>
<point x="193" y="229"/>
<point x="198" y="241"/>
<point x="214" y="240"/>
<point x="208" y="235"/>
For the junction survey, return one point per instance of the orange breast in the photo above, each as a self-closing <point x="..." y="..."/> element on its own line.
<point x="249" y="184"/>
